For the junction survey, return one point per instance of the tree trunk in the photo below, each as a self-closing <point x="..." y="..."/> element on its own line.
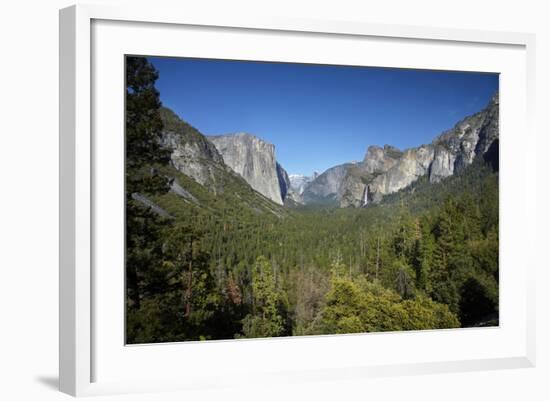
<point x="189" y="290"/>
<point x="377" y="256"/>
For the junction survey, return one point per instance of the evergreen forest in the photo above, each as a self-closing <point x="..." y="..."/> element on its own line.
<point x="227" y="263"/>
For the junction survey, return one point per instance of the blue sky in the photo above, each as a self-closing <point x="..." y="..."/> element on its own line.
<point x="319" y="116"/>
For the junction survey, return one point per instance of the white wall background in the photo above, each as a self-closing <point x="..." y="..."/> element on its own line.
<point x="29" y="199"/>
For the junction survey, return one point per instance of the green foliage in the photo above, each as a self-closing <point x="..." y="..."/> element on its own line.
<point x="355" y="306"/>
<point x="344" y="304"/>
<point x="268" y="303"/>
<point x="391" y="266"/>
<point x="189" y="271"/>
<point x="143" y="152"/>
<point x="404" y="279"/>
<point x="181" y="301"/>
<point x="143" y="129"/>
<point x="231" y="263"/>
<point x="419" y="254"/>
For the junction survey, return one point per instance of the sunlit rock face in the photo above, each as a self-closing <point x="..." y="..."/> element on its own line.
<point x="385" y="170"/>
<point x="412" y="164"/>
<point x="254" y="160"/>
<point x="455" y="149"/>
<point x="326" y="187"/>
<point x="191" y="153"/>
<point x="206" y="159"/>
<point x="364" y="180"/>
<point x="378" y="160"/>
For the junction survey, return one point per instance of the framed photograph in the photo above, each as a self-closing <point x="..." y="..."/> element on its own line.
<point x="277" y="200"/>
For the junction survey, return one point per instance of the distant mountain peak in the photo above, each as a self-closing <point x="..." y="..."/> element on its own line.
<point x="298" y="182"/>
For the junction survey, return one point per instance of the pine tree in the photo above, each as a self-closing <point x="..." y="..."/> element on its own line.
<point x="266" y="318"/>
<point x="447" y="233"/>
<point x="405" y="235"/>
<point x="423" y="255"/>
<point x="143" y="128"/>
<point x="189" y="267"/>
<point x="143" y="152"/>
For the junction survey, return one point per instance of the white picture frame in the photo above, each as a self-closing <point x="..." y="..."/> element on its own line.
<point x="84" y="349"/>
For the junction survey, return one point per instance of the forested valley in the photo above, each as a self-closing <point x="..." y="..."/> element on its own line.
<point x="223" y="262"/>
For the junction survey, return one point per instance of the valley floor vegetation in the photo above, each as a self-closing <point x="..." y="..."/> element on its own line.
<point x="226" y="263"/>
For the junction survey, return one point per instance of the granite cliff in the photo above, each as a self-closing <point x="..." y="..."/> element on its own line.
<point x="385" y="170"/>
<point x="191" y="153"/>
<point x="199" y="176"/>
<point x="327" y="186"/>
<point x="254" y="160"/>
<point x="208" y="160"/>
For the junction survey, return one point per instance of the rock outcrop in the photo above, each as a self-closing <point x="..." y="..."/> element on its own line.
<point x="413" y="164"/>
<point x="456" y="148"/>
<point x="377" y="160"/>
<point x="383" y="170"/>
<point x="151" y="205"/>
<point x="176" y="188"/>
<point x="284" y="181"/>
<point x="254" y="160"/>
<point x="327" y="186"/>
<point x="191" y="153"/>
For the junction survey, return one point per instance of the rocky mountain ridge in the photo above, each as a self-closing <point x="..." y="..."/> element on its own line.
<point x="209" y="160"/>
<point x="200" y="177"/>
<point x="384" y="170"/>
<point x="191" y="153"/>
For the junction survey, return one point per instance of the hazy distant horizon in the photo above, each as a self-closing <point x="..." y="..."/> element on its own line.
<point x="319" y="116"/>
